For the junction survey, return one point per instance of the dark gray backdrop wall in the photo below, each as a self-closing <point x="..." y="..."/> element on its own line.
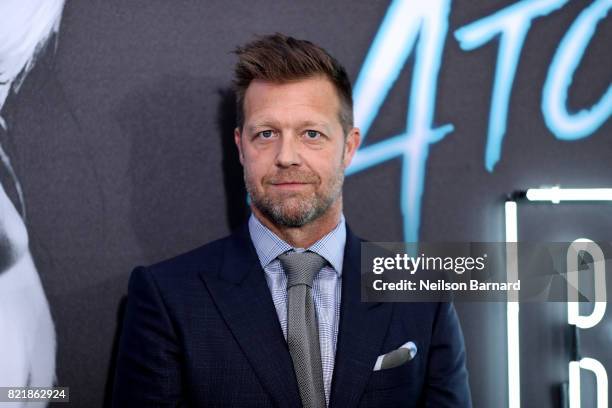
<point x="122" y="142"/>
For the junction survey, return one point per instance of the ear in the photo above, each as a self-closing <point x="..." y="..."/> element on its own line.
<point x="238" y="142"/>
<point x="353" y="140"/>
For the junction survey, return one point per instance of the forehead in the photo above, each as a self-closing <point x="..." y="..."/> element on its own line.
<point x="306" y="99"/>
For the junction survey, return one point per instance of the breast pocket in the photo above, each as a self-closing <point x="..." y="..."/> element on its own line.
<point x="393" y="377"/>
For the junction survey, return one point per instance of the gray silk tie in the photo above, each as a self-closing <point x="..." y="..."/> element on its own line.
<point x="302" y="328"/>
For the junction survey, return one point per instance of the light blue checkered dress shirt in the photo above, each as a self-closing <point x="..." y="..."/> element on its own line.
<point x="325" y="288"/>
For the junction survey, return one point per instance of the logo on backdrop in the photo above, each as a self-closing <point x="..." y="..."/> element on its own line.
<point x="422" y="27"/>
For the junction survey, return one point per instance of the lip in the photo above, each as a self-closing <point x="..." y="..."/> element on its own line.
<point x="289" y="185"/>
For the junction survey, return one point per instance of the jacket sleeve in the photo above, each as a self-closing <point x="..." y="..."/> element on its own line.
<point x="148" y="372"/>
<point x="447" y="377"/>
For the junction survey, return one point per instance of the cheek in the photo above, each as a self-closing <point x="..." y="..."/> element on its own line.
<point x="330" y="162"/>
<point x="257" y="154"/>
<point x="256" y="168"/>
<point x="327" y="170"/>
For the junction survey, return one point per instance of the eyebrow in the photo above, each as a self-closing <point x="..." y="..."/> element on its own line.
<point x="252" y="128"/>
<point x="273" y="124"/>
<point x="316" y="124"/>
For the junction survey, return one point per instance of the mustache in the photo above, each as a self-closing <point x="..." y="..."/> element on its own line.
<point x="292" y="177"/>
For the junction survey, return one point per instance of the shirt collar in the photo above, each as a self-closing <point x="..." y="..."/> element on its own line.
<point x="269" y="246"/>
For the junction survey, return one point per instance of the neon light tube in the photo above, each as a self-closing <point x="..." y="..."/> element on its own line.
<point x="512" y="309"/>
<point x="556" y="194"/>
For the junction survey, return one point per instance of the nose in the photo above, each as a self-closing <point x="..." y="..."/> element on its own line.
<point x="288" y="154"/>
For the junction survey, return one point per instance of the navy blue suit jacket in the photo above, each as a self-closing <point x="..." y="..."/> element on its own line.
<point x="201" y="330"/>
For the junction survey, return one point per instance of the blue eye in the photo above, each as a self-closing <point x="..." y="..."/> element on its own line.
<point x="266" y="134"/>
<point x="312" y="134"/>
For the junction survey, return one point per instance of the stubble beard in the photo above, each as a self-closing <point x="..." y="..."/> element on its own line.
<point x="294" y="210"/>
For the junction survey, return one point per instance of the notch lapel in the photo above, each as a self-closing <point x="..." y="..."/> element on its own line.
<point x="242" y="295"/>
<point x="362" y="330"/>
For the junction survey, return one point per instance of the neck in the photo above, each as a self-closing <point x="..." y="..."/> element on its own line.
<point x="306" y="235"/>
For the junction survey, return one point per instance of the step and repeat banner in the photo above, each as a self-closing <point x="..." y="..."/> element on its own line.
<point x="482" y="121"/>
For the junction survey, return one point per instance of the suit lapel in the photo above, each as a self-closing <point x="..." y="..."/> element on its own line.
<point x="361" y="334"/>
<point x="242" y="295"/>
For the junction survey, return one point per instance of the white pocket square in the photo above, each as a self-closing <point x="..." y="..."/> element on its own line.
<point x="396" y="357"/>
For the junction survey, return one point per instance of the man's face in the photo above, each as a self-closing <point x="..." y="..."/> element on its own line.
<point x="293" y="149"/>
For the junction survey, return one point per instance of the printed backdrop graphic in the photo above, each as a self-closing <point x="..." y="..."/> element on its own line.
<point x="27" y="343"/>
<point x="116" y="145"/>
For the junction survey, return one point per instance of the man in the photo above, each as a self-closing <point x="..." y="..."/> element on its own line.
<point x="271" y="316"/>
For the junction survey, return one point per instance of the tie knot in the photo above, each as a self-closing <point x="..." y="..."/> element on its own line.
<point x="301" y="267"/>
